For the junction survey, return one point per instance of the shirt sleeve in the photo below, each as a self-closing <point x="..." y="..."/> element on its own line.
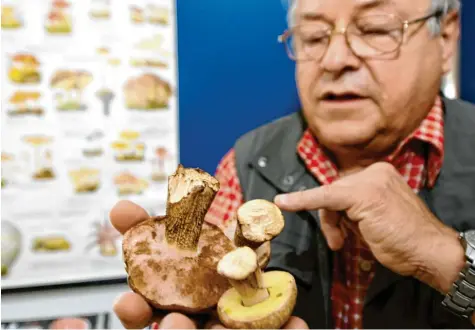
<point x="229" y="197"/>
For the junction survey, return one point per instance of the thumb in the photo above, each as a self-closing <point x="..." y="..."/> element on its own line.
<point x="295" y="323"/>
<point x="333" y="197"/>
<point x="177" y="321"/>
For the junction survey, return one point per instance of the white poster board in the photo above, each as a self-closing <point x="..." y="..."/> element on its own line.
<point x="89" y="117"/>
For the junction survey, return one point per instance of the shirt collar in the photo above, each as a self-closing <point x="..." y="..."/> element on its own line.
<point x="430" y="132"/>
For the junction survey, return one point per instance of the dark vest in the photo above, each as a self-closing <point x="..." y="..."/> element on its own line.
<point x="267" y="163"/>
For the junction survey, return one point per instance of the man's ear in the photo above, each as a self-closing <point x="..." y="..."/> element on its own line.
<point x="450" y="33"/>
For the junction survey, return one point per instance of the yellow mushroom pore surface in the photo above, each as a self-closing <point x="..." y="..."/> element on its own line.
<point x="282" y="296"/>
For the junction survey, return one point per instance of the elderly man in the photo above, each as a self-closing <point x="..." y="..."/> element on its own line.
<point x="376" y="174"/>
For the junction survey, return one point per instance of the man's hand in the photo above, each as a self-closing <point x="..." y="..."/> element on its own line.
<point x="133" y="311"/>
<point x="401" y="232"/>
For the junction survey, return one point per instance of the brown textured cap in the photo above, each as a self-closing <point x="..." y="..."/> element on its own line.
<point x="172" y="279"/>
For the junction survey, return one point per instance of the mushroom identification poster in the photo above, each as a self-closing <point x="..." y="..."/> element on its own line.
<point x="89" y="117"/>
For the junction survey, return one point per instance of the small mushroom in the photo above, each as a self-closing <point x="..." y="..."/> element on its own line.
<point x="258" y="222"/>
<point x="171" y="260"/>
<point x="257" y="300"/>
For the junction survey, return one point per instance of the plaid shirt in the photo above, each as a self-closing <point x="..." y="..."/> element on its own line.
<point x="354" y="264"/>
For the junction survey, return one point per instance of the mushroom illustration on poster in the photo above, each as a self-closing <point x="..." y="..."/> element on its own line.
<point x="42" y="168"/>
<point x="12" y="17"/>
<point x="24" y="68"/>
<point x="59" y="18"/>
<point x="147" y="92"/>
<point x="19" y="20"/>
<point x="89" y="116"/>
<point x="69" y="86"/>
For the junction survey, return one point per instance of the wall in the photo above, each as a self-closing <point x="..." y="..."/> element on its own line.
<point x="226" y="88"/>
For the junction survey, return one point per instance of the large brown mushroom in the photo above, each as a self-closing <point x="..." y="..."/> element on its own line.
<point x="171" y="260"/>
<point x="257" y="300"/>
<point x="258" y="222"/>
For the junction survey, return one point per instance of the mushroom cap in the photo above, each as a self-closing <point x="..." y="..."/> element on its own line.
<point x="238" y="264"/>
<point x="25" y="57"/>
<point x="62" y="77"/>
<point x="260" y="220"/>
<point x="60" y="4"/>
<point x="129" y="134"/>
<point x="22" y="96"/>
<point x="161" y="151"/>
<point x="119" y="145"/>
<point x="7" y="156"/>
<point x="271" y="313"/>
<point x="172" y="279"/>
<point x="36" y="140"/>
<point x="68" y="79"/>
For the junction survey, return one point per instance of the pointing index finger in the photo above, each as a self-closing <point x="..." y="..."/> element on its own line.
<point x="331" y="197"/>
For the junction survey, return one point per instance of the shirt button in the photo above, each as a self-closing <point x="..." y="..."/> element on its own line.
<point x="365" y="265"/>
<point x="288" y="180"/>
<point x="262" y="162"/>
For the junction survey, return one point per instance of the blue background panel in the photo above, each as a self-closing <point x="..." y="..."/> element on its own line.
<point x="235" y="76"/>
<point x="467" y="51"/>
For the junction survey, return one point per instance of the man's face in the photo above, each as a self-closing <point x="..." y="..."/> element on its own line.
<point x="354" y="102"/>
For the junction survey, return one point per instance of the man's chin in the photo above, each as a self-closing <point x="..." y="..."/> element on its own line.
<point x="347" y="137"/>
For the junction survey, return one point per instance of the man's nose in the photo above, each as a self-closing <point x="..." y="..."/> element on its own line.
<point x="339" y="56"/>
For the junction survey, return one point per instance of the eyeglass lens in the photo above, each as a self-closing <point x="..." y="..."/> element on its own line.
<point x="367" y="36"/>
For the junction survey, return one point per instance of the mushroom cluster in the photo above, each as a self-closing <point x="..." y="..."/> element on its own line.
<point x="257" y="299"/>
<point x="179" y="262"/>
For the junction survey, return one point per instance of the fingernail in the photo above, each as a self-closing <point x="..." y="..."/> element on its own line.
<point x="280" y="199"/>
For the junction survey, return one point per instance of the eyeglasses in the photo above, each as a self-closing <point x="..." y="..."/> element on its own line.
<point x="367" y="36"/>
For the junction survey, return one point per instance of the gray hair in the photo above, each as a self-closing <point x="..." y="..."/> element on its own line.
<point x="434" y="23"/>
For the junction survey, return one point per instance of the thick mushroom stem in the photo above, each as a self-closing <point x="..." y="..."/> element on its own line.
<point x="190" y="194"/>
<point x="263" y="253"/>
<point x="243" y="272"/>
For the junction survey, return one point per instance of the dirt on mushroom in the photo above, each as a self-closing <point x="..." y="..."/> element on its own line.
<point x="171" y="260"/>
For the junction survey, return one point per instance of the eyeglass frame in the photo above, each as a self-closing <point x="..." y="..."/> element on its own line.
<point x="282" y="38"/>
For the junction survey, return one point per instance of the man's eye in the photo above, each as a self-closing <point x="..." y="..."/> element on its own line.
<point x="375" y="30"/>
<point x="314" y="38"/>
<point x="377" y="27"/>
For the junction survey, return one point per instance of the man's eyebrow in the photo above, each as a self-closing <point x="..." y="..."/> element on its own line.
<point x="370" y="4"/>
<point x="311" y="16"/>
